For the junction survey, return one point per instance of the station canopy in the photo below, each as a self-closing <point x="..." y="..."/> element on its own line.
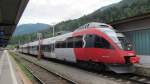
<point x="10" y="13"/>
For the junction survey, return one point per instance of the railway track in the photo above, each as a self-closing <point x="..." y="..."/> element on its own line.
<point x="124" y="78"/>
<point x="43" y="75"/>
<point x="137" y="78"/>
<point x="38" y="80"/>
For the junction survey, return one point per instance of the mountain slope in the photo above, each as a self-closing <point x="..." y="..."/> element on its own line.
<point x="107" y="14"/>
<point x="30" y="28"/>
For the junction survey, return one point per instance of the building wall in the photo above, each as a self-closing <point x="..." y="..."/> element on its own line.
<point x="138" y="33"/>
<point x="141" y="40"/>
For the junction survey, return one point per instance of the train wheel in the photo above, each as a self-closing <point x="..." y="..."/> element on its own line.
<point x="101" y="68"/>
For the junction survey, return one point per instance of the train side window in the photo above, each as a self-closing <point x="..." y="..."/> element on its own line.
<point x="46" y="47"/>
<point x="42" y="47"/>
<point x="78" y="42"/>
<point x="102" y="43"/>
<point x="60" y="45"/>
<point x="63" y="44"/>
<point x="35" y="47"/>
<point x="57" y="45"/>
<point x="32" y="47"/>
<point x="70" y="43"/>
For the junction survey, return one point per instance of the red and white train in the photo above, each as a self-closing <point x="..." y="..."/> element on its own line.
<point x="96" y="44"/>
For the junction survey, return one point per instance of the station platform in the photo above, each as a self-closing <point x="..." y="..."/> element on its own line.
<point x="144" y="59"/>
<point x="143" y="68"/>
<point x="9" y="73"/>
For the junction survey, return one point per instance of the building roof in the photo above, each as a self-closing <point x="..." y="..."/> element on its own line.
<point x="10" y="13"/>
<point x="129" y="19"/>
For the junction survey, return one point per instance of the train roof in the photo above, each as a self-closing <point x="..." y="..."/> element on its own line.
<point x="63" y="37"/>
<point x="49" y="40"/>
<point x="93" y="25"/>
<point x="57" y="38"/>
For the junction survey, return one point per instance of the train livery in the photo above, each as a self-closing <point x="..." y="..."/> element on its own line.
<point x="93" y="44"/>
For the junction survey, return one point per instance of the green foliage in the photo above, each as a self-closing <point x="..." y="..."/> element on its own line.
<point x="22" y="66"/>
<point x="11" y="46"/>
<point x="107" y="14"/>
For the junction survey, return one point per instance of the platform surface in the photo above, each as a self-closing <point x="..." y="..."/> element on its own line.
<point x="144" y="59"/>
<point x="8" y="72"/>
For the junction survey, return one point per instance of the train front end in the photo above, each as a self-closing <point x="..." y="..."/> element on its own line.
<point x="125" y="54"/>
<point x="105" y="46"/>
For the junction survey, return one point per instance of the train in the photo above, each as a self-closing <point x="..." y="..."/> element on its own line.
<point x="94" y="44"/>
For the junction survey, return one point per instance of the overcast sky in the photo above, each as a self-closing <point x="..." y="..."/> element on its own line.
<point x="54" y="11"/>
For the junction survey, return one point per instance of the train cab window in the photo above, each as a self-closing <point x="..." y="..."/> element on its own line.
<point x="101" y="43"/>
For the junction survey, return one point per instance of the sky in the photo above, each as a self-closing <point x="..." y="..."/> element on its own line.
<point x="54" y="11"/>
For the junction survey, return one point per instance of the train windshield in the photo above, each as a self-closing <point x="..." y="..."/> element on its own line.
<point x="126" y="44"/>
<point x="118" y="38"/>
<point x="113" y="35"/>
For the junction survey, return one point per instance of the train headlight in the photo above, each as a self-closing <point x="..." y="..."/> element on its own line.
<point x="134" y="59"/>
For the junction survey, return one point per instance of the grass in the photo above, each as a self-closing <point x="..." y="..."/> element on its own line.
<point x="22" y="66"/>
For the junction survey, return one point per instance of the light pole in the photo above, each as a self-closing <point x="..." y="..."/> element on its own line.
<point x="53" y="26"/>
<point x="39" y="36"/>
<point x="53" y="48"/>
<point x="53" y="30"/>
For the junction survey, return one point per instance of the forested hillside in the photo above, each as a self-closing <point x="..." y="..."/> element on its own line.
<point x="107" y="14"/>
<point x="30" y="28"/>
<point x="121" y="10"/>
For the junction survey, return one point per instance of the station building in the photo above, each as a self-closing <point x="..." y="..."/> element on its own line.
<point x="137" y="29"/>
<point x="10" y="14"/>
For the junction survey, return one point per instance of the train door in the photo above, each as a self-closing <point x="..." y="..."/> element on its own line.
<point x="79" y="48"/>
<point x="105" y="51"/>
<point x="88" y="48"/>
<point x="99" y="49"/>
<point x="52" y="50"/>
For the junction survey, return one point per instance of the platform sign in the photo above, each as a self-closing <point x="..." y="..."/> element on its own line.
<point x="1" y="36"/>
<point x="1" y="33"/>
<point x="3" y="41"/>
